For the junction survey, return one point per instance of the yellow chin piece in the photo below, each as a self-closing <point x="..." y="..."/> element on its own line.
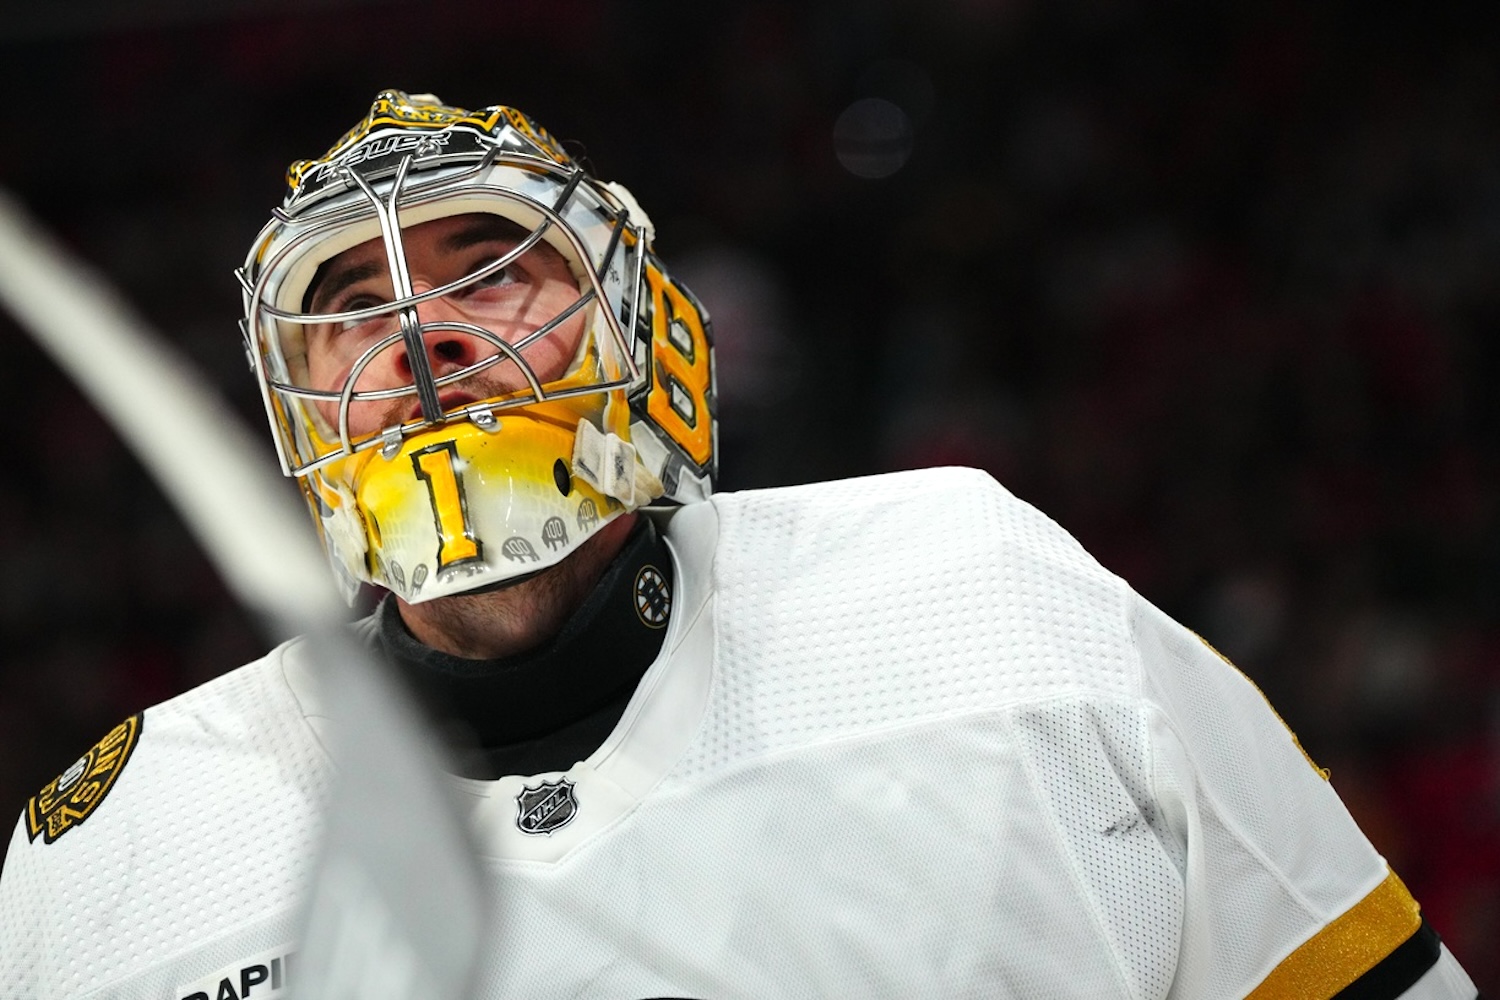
<point x="458" y="507"/>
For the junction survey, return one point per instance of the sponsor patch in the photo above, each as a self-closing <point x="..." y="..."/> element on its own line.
<point x="259" y="977"/>
<point x="73" y="795"/>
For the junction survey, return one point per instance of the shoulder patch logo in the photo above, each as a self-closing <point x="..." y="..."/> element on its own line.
<point x="74" y="795"/>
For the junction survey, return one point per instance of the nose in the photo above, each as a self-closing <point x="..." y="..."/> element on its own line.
<point x="448" y="350"/>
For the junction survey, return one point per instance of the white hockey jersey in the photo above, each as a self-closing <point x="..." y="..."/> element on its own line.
<point x="905" y="738"/>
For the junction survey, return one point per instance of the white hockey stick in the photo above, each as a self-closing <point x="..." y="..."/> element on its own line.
<point x="395" y="910"/>
<point x="245" y="518"/>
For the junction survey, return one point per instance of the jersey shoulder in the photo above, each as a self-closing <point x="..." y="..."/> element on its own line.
<point x="177" y="824"/>
<point x="914" y="596"/>
<point x="926" y="518"/>
<point x="174" y="741"/>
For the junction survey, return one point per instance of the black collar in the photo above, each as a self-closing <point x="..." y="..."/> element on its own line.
<point x="547" y="708"/>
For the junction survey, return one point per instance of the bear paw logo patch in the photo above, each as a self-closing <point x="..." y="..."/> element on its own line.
<point x="74" y="795"/>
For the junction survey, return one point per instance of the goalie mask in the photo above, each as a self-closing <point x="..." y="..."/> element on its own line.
<point x="470" y="358"/>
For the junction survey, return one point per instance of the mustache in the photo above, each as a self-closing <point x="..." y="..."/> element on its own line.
<point x="373" y="416"/>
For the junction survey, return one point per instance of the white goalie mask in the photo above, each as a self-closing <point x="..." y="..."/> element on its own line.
<point x="470" y="357"/>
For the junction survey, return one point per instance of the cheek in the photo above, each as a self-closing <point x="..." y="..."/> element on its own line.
<point x="319" y="374"/>
<point x="328" y="366"/>
<point x="327" y="372"/>
<point x="324" y="371"/>
<point x="556" y="352"/>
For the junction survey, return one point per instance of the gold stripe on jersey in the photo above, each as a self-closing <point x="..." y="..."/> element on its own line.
<point x="1349" y="946"/>
<point x="1322" y="771"/>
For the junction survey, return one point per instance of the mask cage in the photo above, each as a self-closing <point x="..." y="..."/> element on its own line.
<point x="557" y="204"/>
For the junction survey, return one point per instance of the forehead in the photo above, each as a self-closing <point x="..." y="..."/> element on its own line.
<point x="447" y="235"/>
<point x="452" y="234"/>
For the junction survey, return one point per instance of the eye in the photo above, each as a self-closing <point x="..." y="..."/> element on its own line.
<point x="360" y="301"/>
<point x="497" y="279"/>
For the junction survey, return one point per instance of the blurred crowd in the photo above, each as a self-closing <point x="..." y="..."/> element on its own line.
<point x="1216" y="289"/>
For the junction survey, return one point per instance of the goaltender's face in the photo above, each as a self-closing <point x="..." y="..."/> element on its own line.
<point x="510" y="303"/>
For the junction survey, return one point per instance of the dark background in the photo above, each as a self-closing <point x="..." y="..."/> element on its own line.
<point x="1215" y="288"/>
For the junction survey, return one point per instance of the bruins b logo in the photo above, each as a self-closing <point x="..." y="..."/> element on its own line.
<point x="73" y="796"/>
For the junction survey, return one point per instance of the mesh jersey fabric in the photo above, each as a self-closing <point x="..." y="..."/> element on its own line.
<point x="939" y="751"/>
<point x="207" y="831"/>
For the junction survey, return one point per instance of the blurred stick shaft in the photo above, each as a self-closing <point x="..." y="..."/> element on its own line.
<point x="241" y="512"/>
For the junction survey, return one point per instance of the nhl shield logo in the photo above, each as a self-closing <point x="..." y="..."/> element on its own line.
<point x="548" y="807"/>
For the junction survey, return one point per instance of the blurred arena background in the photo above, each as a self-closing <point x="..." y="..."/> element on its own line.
<point x="1215" y="286"/>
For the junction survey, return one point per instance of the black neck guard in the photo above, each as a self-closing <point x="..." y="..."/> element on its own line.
<point x="547" y="708"/>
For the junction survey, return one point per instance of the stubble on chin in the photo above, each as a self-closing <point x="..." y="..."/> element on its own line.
<point x="520" y="617"/>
